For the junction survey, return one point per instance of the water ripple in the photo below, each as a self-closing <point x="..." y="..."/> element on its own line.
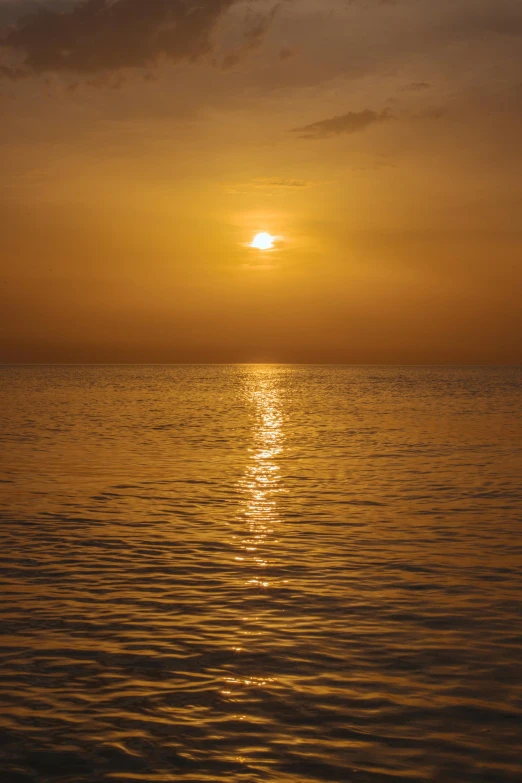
<point x="254" y="573"/>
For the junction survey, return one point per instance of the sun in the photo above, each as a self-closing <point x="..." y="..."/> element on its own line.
<point x="263" y="241"/>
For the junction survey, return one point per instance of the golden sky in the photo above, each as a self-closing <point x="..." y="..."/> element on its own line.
<point x="144" y="143"/>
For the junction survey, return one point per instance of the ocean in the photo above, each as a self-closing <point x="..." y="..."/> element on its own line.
<point x="260" y="573"/>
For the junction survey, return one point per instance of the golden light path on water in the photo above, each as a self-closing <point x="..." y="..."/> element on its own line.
<point x="260" y="487"/>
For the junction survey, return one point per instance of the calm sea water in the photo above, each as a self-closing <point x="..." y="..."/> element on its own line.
<point x="260" y="573"/>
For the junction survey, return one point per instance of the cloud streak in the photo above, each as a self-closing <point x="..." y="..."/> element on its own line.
<point x="353" y="122"/>
<point x="96" y="36"/>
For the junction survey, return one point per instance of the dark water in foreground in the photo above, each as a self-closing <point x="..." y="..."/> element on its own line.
<point x="279" y="573"/>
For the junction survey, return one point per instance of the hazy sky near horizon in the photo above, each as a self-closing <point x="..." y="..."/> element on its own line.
<point x="143" y="144"/>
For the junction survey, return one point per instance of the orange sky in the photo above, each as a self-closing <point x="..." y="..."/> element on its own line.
<point x="144" y="144"/>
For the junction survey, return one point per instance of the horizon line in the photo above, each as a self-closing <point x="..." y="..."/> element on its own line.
<point x="258" y="364"/>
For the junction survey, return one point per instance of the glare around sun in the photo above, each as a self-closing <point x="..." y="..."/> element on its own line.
<point x="263" y="241"/>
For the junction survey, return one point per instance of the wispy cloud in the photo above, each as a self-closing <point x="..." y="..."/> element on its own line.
<point x="352" y="122"/>
<point x="281" y="182"/>
<point x="415" y="87"/>
<point x="267" y="184"/>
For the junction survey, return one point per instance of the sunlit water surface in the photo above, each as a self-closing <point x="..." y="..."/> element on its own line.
<point x="260" y="573"/>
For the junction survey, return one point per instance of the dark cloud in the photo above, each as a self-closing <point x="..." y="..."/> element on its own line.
<point x="343" y="124"/>
<point x="504" y="18"/>
<point x="252" y="39"/>
<point x="11" y="10"/>
<point x="11" y="73"/>
<point x="97" y="36"/>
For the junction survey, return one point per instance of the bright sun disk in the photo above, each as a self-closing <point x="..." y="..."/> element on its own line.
<point x="263" y="241"/>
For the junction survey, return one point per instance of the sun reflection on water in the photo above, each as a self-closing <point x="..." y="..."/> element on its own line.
<point x="261" y="482"/>
<point x="258" y="522"/>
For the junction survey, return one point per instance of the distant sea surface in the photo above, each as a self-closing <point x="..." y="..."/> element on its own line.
<point x="269" y="574"/>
